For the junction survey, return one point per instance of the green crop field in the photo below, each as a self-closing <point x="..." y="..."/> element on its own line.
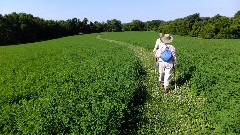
<point x="105" y="84"/>
<point x="69" y="85"/>
<point x="210" y="69"/>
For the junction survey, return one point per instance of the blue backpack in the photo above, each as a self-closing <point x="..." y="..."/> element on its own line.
<point x="166" y="55"/>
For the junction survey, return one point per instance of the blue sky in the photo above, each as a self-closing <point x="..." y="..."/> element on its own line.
<point x="123" y="10"/>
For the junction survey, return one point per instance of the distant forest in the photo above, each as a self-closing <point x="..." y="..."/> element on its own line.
<point x="16" y="28"/>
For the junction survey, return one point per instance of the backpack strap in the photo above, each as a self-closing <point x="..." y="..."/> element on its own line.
<point x="167" y="45"/>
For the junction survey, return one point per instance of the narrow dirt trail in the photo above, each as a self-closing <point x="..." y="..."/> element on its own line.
<point x="165" y="113"/>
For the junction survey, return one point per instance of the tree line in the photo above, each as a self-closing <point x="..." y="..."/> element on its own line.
<point x="193" y="25"/>
<point x="16" y="28"/>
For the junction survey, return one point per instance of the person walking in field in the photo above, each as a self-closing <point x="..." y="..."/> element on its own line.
<point x="165" y="54"/>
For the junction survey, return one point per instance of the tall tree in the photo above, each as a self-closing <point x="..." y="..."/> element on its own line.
<point x="153" y="25"/>
<point x="99" y="26"/>
<point x="3" y="31"/>
<point x="12" y="25"/>
<point x="190" y="21"/>
<point x="237" y="15"/>
<point x="234" y="29"/>
<point x="137" y="25"/>
<point x="114" y="25"/>
<point x="208" y="31"/>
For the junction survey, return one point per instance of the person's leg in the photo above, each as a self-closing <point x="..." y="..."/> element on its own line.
<point x="161" y="73"/>
<point x="167" y="77"/>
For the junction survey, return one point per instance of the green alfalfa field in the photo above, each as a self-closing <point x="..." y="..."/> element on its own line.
<point x="106" y="83"/>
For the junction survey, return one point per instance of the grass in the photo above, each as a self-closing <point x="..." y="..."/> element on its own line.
<point x="207" y="74"/>
<point x="105" y="84"/>
<point x="72" y="85"/>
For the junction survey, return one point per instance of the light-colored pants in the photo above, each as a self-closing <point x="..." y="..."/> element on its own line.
<point x="165" y="72"/>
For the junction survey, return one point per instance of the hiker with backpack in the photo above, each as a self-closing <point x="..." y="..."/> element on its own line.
<point x="166" y="57"/>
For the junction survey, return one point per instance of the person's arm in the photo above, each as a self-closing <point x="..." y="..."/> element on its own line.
<point x="156" y="45"/>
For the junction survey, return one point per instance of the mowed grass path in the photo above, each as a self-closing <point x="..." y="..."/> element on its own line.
<point x="209" y="69"/>
<point x="177" y="113"/>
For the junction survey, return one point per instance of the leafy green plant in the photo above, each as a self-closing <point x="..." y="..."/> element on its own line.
<point x="72" y="85"/>
<point x="210" y="70"/>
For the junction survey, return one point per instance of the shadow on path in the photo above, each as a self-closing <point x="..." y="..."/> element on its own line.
<point x="133" y="114"/>
<point x="186" y="76"/>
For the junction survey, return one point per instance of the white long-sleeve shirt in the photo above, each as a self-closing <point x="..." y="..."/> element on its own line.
<point x="156" y="44"/>
<point x="160" y="47"/>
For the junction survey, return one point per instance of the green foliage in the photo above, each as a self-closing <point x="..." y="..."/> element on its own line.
<point x="113" y="25"/>
<point x="82" y="85"/>
<point x="18" y="28"/>
<point x="237" y="15"/>
<point x="148" y="38"/>
<point x="153" y="25"/>
<point x="208" y="31"/>
<point x="234" y="29"/>
<point x="135" y="25"/>
<point x="204" y="27"/>
<point x="72" y="85"/>
<point x="196" y="28"/>
<point x="210" y="69"/>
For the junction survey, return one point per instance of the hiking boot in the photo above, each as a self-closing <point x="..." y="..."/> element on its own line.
<point x="161" y="84"/>
<point x="165" y="91"/>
